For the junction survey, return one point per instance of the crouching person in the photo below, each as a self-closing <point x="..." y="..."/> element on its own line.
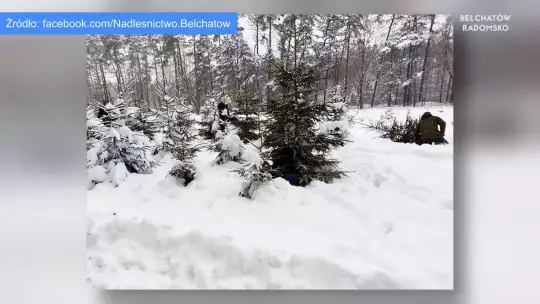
<point x="223" y="112"/>
<point x="223" y="108"/>
<point x="286" y="161"/>
<point x="430" y="130"/>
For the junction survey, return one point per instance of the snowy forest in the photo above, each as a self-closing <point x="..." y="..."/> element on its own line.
<point x="194" y="141"/>
<point x="364" y="59"/>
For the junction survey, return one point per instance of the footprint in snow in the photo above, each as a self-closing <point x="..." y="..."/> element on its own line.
<point x="388" y="227"/>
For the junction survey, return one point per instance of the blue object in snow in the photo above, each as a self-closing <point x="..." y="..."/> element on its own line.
<point x="293" y="179"/>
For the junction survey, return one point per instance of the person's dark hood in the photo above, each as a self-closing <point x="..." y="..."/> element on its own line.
<point x="426" y="116"/>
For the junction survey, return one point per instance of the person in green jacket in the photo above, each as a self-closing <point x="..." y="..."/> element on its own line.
<point x="430" y="130"/>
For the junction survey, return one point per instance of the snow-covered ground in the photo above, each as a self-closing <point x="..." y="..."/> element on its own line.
<point x="389" y="225"/>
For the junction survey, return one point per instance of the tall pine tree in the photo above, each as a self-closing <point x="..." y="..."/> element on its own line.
<point x="298" y="151"/>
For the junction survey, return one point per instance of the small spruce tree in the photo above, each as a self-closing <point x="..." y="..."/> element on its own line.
<point x="255" y="174"/>
<point x="230" y="149"/>
<point x="297" y="150"/>
<point x="145" y="120"/>
<point x="179" y="136"/>
<point x="388" y="126"/>
<point x="133" y="150"/>
<point x="95" y="159"/>
<point x="113" y="149"/>
<point x="335" y="104"/>
<point x="246" y="120"/>
<point x="208" y="116"/>
<point x="95" y="129"/>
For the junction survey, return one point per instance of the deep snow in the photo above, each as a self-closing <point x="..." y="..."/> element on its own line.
<point x="389" y="225"/>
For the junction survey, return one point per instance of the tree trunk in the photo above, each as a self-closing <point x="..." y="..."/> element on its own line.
<point x="147" y="80"/>
<point x="399" y="86"/>
<point x="210" y="75"/>
<point x="318" y="54"/>
<point x="362" y="74"/>
<point x="89" y="85"/>
<point x="287" y="62"/>
<point x="269" y="51"/>
<point x="407" y="90"/>
<point x="197" y="80"/>
<point x="98" y="78"/>
<point x="336" y="68"/>
<point x="325" y="86"/>
<point x="106" y="98"/>
<point x="176" y="72"/>
<point x="140" y="79"/>
<point x="380" y="63"/>
<point x="157" y="79"/>
<point x="295" y="45"/>
<point x="347" y="58"/>
<point x="184" y="75"/>
<point x="237" y="65"/>
<point x="257" y="37"/>
<point x="119" y="78"/>
<point x="269" y="56"/>
<point x="448" y="90"/>
<point x="270" y="21"/>
<point x="163" y="73"/>
<point x="389" y="86"/>
<point x="413" y="73"/>
<point x="295" y="78"/>
<point x="441" y="86"/>
<point x="257" y="85"/>
<point x="420" y="94"/>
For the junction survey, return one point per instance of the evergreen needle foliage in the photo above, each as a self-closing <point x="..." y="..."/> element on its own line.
<point x="254" y="175"/>
<point x="297" y="150"/>
<point x="180" y="133"/>
<point x="184" y="172"/>
<point x="113" y="149"/>
<point x="397" y="131"/>
<point x="249" y="108"/>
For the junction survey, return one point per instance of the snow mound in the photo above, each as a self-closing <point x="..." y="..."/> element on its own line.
<point x="91" y="123"/>
<point x="141" y="140"/>
<point x="335" y="127"/>
<point x="113" y="133"/>
<point x="97" y="173"/>
<point x="139" y="252"/>
<point x="118" y="174"/>
<point x="388" y="225"/>
<point x="215" y="126"/>
<point x="92" y="155"/>
<point x="125" y="132"/>
<point x="252" y="157"/>
<point x="219" y="134"/>
<point x="132" y="110"/>
<point x="272" y="192"/>
<point x="338" y="105"/>
<point x="158" y="139"/>
<point x="233" y="144"/>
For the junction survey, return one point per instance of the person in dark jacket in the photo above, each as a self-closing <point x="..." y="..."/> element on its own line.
<point x="287" y="162"/>
<point x="430" y="130"/>
<point x="103" y="114"/>
<point x="223" y="112"/>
